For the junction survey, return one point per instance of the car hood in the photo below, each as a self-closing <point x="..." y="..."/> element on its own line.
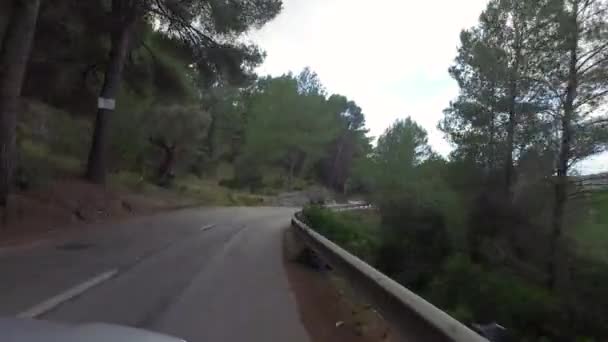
<point x="26" y="330"/>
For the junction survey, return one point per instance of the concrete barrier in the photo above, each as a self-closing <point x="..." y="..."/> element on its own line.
<point x="414" y="318"/>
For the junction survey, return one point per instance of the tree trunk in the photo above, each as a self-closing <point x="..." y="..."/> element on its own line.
<point x="165" y="170"/>
<point x="510" y="147"/>
<point x="290" y="172"/>
<point x="334" y="170"/>
<point x="5" y="17"/>
<point x="561" y="183"/>
<point x="14" y="56"/>
<point x="119" y="50"/>
<point x="511" y="125"/>
<point x="492" y="133"/>
<point x="211" y="135"/>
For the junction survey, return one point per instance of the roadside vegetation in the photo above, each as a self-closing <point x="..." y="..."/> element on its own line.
<point x="591" y="236"/>
<point x="191" y="117"/>
<point x="499" y="231"/>
<point x="161" y="97"/>
<point x="478" y="292"/>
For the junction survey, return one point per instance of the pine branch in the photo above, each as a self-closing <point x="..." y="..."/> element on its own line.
<point x="598" y="62"/>
<point x="185" y="28"/>
<point x="590" y="55"/>
<point x="595" y="122"/>
<point x="591" y="98"/>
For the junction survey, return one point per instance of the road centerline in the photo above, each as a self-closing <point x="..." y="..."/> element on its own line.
<point x="207" y="227"/>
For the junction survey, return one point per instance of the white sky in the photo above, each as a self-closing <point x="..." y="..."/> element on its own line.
<point x="389" y="56"/>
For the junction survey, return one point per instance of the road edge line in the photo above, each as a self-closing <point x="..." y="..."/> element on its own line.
<point x="53" y="302"/>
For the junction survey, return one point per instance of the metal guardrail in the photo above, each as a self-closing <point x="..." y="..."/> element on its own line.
<point x="598" y="182"/>
<point x="348" y="207"/>
<point x="413" y="317"/>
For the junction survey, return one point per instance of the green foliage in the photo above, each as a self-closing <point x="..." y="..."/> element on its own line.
<point x="131" y="181"/>
<point x="57" y="130"/>
<point x="599" y="206"/>
<point x="177" y="133"/>
<point x="161" y="69"/>
<point x="246" y="200"/>
<point x="247" y="174"/>
<point x="38" y="165"/>
<point x="349" y="145"/>
<point x="210" y="30"/>
<point x="470" y="292"/>
<point x="502" y="108"/>
<point x="405" y="180"/>
<point x="485" y="295"/>
<point x="529" y="78"/>
<point x="227" y="107"/>
<point x="128" y="143"/>
<point x="591" y="235"/>
<point x="50" y="142"/>
<point x="414" y="241"/>
<point x="394" y="162"/>
<point x="283" y="122"/>
<point x="184" y="126"/>
<point x="68" y="136"/>
<point x="358" y="237"/>
<point x="587" y="297"/>
<point x="69" y="49"/>
<point x="289" y="123"/>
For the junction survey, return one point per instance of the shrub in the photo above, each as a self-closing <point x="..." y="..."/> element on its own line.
<point x="37" y="165"/>
<point x="60" y="132"/>
<point x="587" y="297"/>
<point x="69" y="136"/>
<point x="246" y="175"/>
<point x="355" y="237"/>
<point x="485" y="296"/>
<point x="414" y="238"/>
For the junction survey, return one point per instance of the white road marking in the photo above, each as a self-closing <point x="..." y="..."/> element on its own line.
<point x="207" y="227"/>
<point x="61" y="298"/>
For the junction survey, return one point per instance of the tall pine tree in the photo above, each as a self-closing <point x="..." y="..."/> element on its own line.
<point x="210" y="28"/>
<point x="14" y="55"/>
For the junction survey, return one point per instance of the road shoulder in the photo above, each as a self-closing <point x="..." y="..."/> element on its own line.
<point x="328" y="308"/>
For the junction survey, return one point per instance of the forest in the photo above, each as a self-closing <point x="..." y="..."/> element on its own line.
<point x="165" y="93"/>
<point x="186" y="96"/>
<point x="500" y="231"/>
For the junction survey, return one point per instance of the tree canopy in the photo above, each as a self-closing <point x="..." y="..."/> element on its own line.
<point x="289" y="121"/>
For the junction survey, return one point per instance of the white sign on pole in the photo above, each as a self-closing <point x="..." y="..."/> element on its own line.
<point x="103" y="103"/>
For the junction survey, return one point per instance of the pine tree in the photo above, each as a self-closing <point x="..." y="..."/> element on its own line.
<point x="14" y="55"/>
<point x="581" y="86"/>
<point x="210" y="28"/>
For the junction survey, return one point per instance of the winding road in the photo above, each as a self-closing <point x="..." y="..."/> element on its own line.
<point x="212" y="274"/>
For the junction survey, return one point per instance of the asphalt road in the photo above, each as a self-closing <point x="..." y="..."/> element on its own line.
<point x="201" y="275"/>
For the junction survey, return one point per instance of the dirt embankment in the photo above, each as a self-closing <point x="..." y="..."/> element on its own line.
<point x="329" y="309"/>
<point x="68" y="205"/>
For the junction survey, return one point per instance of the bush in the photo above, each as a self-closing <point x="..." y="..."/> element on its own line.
<point x="127" y="134"/>
<point x="69" y="136"/>
<point x="587" y="297"/>
<point x="246" y="175"/>
<point x="60" y="132"/>
<point x="37" y="165"/>
<point x="475" y="294"/>
<point x="245" y="200"/>
<point x="356" y="237"/>
<point x="414" y="238"/>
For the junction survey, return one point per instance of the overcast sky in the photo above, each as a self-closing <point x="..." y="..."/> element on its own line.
<point x="389" y="56"/>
